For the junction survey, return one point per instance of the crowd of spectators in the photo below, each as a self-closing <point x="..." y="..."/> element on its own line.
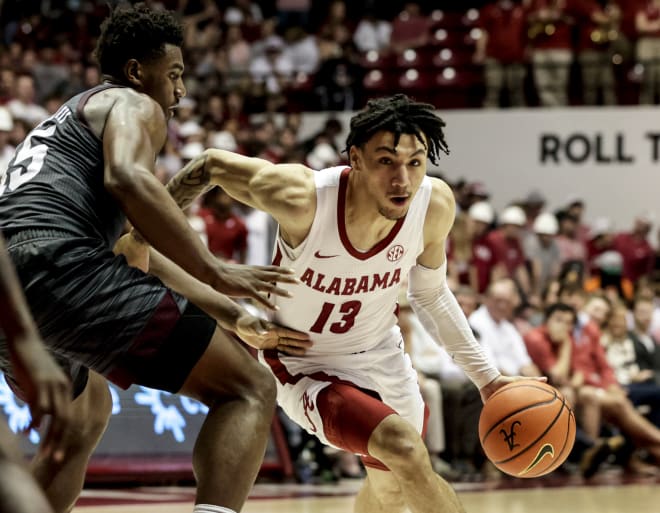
<point x="545" y="292"/>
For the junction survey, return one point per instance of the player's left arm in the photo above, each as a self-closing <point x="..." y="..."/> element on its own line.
<point x="435" y="304"/>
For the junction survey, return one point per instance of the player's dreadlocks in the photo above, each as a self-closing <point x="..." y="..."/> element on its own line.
<point x="400" y="115"/>
<point x="135" y="32"/>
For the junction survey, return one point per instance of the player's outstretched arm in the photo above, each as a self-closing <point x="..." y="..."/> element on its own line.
<point x="47" y="389"/>
<point x="257" y="332"/>
<point x="285" y="191"/>
<point x="434" y="303"/>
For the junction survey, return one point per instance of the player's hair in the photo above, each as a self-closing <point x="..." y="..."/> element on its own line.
<point x="135" y="32"/>
<point x="399" y="114"/>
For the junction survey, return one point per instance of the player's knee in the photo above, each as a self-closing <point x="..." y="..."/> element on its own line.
<point x="91" y="413"/>
<point x="396" y="443"/>
<point x="263" y="388"/>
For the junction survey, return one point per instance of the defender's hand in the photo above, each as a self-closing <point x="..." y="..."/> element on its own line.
<point x="135" y="249"/>
<point x="257" y="282"/>
<point x="262" y="334"/>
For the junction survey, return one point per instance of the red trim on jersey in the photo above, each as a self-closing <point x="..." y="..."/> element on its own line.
<point x="341" y="224"/>
<point x="277" y="259"/>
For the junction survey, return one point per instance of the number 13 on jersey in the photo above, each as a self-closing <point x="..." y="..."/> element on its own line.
<point x="346" y="317"/>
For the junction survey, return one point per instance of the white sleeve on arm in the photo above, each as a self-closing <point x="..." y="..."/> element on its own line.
<point x="443" y="319"/>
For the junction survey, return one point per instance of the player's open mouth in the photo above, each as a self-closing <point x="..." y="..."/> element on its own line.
<point x="399" y="201"/>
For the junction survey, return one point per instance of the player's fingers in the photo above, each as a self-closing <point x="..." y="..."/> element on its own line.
<point x="286" y="276"/>
<point x="263" y="300"/>
<point x="291" y="350"/>
<point x="299" y="336"/>
<point x="271" y="288"/>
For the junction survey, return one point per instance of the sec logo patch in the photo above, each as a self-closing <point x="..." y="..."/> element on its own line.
<point x="395" y="253"/>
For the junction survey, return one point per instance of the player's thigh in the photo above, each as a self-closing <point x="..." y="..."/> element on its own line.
<point x="227" y="370"/>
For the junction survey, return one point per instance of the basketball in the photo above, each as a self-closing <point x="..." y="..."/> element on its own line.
<point x="527" y="429"/>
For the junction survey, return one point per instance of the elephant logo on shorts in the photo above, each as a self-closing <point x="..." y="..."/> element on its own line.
<point x="308" y="405"/>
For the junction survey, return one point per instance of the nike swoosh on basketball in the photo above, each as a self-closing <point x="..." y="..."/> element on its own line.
<point x="543" y="452"/>
<point x="319" y="255"/>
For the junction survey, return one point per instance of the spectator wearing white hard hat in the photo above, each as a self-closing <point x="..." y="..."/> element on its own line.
<point x="542" y="251"/>
<point x="506" y="244"/>
<point x="481" y="216"/>
<point x="468" y="225"/>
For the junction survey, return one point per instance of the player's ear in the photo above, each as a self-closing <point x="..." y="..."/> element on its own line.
<point x="354" y="157"/>
<point x="133" y="72"/>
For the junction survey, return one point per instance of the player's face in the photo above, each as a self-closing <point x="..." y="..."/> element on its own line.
<point x="392" y="174"/>
<point x="162" y="79"/>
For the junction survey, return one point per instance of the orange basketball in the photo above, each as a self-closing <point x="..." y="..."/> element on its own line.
<point x="527" y="428"/>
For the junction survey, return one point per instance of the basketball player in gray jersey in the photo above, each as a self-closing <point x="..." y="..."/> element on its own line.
<point x="63" y="203"/>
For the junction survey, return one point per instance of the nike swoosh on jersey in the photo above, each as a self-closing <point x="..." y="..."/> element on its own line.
<point x="546" y="449"/>
<point x="319" y="255"/>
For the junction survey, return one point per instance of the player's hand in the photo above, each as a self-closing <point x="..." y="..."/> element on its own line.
<point x="487" y="390"/>
<point x="262" y="334"/>
<point x="47" y="391"/>
<point x="257" y="282"/>
<point x="135" y="249"/>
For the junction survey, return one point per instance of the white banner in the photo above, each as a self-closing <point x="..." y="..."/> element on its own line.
<point x="610" y="157"/>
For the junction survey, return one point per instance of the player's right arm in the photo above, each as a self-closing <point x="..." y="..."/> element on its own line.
<point x="47" y="389"/>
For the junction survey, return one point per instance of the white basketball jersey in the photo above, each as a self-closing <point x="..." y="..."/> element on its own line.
<point x="347" y="301"/>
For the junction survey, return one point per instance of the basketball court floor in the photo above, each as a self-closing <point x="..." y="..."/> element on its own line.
<point x="609" y="492"/>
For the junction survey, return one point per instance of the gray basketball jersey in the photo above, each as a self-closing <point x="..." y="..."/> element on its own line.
<point x="55" y="179"/>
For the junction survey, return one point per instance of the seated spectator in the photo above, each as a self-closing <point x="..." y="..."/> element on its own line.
<point x="551" y="347"/>
<point x="506" y="244"/>
<point x="647" y="348"/>
<point x="572" y="247"/>
<point x="542" y="252"/>
<point x="638" y="254"/>
<point x="621" y="349"/>
<point x="578" y="365"/>
<point x="461" y="401"/>
<point x="23" y="105"/>
<point x="483" y="258"/>
<point x="227" y="234"/>
<point x="498" y="336"/>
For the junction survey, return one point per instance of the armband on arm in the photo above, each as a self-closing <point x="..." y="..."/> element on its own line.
<point x="443" y="319"/>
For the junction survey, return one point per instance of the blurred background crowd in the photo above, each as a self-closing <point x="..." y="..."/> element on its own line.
<point x="545" y="291"/>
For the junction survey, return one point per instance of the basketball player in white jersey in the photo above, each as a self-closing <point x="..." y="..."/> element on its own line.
<point x="352" y="234"/>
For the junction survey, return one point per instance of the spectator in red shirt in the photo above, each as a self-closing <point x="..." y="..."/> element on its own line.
<point x="638" y="255"/>
<point x="481" y="216"/>
<point x="597" y="390"/>
<point x="647" y="23"/>
<point x="507" y="247"/>
<point x="597" y="26"/>
<point x="227" y="234"/>
<point x="501" y="48"/>
<point x="410" y="29"/>
<point x="549" y="31"/>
